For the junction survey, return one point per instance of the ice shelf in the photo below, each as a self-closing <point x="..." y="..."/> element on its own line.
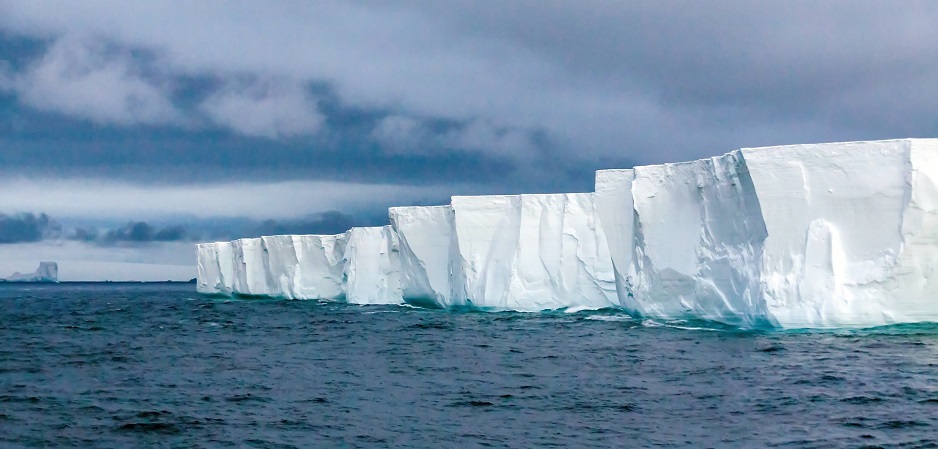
<point x="823" y="235"/>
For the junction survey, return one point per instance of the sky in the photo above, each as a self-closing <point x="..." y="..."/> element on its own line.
<point x="131" y="130"/>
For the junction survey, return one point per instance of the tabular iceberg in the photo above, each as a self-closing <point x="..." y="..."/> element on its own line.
<point x="841" y="234"/>
<point x="286" y="266"/>
<point x="47" y="272"/>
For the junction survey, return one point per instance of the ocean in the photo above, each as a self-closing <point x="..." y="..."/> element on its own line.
<point x="156" y="365"/>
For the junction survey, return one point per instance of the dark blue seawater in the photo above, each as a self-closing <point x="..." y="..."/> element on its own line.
<point x="121" y="366"/>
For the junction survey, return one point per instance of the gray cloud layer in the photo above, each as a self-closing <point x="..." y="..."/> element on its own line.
<point x="650" y="80"/>
<point x="141" y="232"/>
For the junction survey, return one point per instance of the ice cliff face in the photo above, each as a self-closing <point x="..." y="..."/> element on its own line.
<point x="688" y="239"/>
<point x="280" y="265"/>
<point x="373" y="266"/>
<point x="209" y="279"/>
<point x="431" y="268"/>
<point x="319" y="272"/>
<point x="361" y="266"/>
<point x="852" y="237"/>
<point x="287" y="266"/>
<point x="250" y="268"/>
<point x="824" y="235"/>
<point x="821" y="235"/>
<point x="533" y="252"/>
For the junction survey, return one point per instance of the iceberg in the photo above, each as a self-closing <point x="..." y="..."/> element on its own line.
<point x="797" y="236"/>
<point x="47" y="272"/>
<point x="285" y="266"/>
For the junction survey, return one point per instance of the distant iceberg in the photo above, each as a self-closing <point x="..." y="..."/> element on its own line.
<point x="47" y="272"/>
<point x="824" y="235"/>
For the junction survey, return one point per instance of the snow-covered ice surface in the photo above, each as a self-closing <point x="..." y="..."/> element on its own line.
<point x="825" y="235"/>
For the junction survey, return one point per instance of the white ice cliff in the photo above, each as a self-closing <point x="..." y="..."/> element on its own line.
<point x="431" y="268"/>
<point x="209" y="278"/>
<point x="687" y="239"/>
<point x="824" y="235"/>
<point x="852" y="231"/>
<point x="320" y="269"/>
<point x="533" y="252"/>
<point x="249" y="268"/>
<point x="373" y="266"/>
<point x="820" y="235"/>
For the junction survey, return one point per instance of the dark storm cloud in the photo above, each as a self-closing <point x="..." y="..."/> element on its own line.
<point x="30" y="227"/>
<point x="136" y="232"/>
<point x="529" y="95"/>
<point x="203" y="157"/>
<point x="325" y="223"/>
<point x="143" y="232"/>
<point x="27" y="227"/>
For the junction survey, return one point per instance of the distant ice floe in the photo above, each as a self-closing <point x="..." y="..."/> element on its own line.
<point x="47" y="272"/>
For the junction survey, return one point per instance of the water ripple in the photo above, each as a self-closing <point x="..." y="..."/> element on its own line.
<point x="116" y="366"/>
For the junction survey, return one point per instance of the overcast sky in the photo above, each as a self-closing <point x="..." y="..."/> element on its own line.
<point x="202" y="120"/>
